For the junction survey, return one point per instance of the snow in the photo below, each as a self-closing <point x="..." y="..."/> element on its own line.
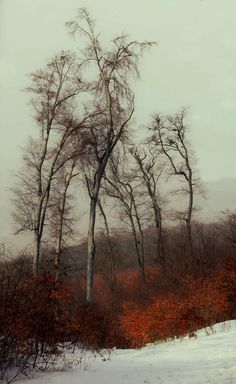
<point x="209" y="358"/>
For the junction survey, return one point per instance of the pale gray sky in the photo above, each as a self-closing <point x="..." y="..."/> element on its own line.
<point x="194" y="64"/>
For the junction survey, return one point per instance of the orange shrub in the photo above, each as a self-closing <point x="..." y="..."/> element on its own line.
<point x="174" y="315"/>
<point x="135" y="314"/>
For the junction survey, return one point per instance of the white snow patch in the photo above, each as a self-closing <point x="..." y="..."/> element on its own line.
<point x="208" y="359"/>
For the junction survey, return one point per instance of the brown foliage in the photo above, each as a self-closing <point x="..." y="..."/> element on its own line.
<point x="39" y="311"/>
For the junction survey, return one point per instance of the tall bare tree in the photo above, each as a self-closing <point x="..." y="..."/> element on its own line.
<point x="151" y="168"/>
<point x="54" y="89"/>
<point x="61" y="214"/>
<point x="171" y="135"/>
<point x="114" y="100"/>
<point x="122" y="185"/>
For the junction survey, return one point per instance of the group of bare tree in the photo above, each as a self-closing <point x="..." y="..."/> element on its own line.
<point x="83" y="107"/>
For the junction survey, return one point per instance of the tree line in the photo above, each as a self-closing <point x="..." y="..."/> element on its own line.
<point x="145" y="280"/>
<point x="83" y="107"/>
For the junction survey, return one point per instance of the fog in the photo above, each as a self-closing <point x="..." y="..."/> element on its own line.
<point x="193" y="65"/>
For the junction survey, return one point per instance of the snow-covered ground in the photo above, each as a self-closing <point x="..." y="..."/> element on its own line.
<point x="206" y="359"/>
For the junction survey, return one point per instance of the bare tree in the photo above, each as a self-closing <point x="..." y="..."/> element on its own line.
<point x="53" y="89"/>
<point x="171" y="135"/>
<point x="61" y="218"/>
<point x="114" y="100"/>
<point x="151" y="168"/>
<point x="121" y="185"/>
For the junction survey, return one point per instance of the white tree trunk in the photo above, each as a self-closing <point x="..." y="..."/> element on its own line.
<point x="36" y="253"/>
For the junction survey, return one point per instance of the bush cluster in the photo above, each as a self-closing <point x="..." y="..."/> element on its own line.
<point x="38" y="314"/>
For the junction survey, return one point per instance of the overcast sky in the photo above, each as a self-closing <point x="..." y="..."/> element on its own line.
<point x="194" y="65"/>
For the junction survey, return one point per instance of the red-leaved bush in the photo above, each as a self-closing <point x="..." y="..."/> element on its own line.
<point x="199" y="303"/>
<point x="43" y="311"/>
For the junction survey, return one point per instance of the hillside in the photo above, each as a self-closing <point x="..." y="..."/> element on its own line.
<point x="207" y="359"/>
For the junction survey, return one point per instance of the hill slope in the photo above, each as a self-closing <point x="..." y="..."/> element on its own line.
<point x="208" y="359"/>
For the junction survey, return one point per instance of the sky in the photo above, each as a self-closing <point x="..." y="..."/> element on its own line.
<point x="194" y="65"/>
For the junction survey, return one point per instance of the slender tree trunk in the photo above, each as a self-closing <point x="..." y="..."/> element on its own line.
<point x="57" y="259"/>
<point x="160" y="245"/>
<point x="189" y="213"/>
<point x="38" y="231"/>
<point x="140" y="244"/>
<point x="37" y="236"/>
<point x="113" y="269"/>
<point x="91" y="248"/>
<point x="94" y="193"/>
<point x="136" y="245"/>
<point x="191" y="259"/>
<point x="37" y="252"/>
<point x="151" y="183"/>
